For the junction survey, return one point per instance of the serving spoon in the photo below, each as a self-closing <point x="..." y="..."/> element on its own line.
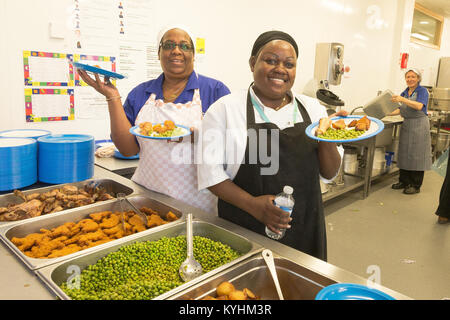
<point x="190" y="268"/>
<point x="268" y="258"/>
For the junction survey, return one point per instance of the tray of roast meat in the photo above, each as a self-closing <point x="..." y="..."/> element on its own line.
<point x="35" y="203"/>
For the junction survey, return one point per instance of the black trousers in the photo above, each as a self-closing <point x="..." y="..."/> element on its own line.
<point x="443" y="209"/>
<point x="411" y="178"/>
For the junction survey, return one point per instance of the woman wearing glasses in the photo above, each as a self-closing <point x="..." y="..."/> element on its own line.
<point x="254" y="143"/>
<point x="179" y="94"/>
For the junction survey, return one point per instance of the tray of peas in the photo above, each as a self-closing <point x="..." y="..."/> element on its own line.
<point x="146" y="267"/>
<point x="348" y="133"/>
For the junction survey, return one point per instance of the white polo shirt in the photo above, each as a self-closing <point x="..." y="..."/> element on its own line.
<point x="224" y="133"/>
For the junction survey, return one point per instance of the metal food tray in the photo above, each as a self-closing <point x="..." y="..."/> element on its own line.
<point x="58" y="273"/>
<point x="23" y="229"/>
<point x="296" y="281"/>
<point x="112" y="187"/>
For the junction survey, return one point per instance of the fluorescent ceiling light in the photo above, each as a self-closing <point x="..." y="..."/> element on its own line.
<point x="424" y="22"/>
<point x="420" y="36"/>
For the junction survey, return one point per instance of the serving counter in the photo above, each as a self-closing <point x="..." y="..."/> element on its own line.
<point x="20" y="282"/>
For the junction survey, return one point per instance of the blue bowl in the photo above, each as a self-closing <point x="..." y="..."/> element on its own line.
<point x="350" y="291"/>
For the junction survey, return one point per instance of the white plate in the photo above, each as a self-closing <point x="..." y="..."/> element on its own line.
<point x="376" y="126"/>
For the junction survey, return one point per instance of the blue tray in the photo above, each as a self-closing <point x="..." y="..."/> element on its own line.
<point x="93" y="69"/>
<point x="118" y="155"/>
<point x="376" y="126"/>
<point x="350" y="291"/>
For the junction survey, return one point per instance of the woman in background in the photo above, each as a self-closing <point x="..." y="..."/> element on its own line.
<point x="414" y="149"/>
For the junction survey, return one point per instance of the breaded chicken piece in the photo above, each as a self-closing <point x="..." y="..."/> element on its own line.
<point x="96" y="243"/>
<point x="171" y="216"/>
<point x="45" y="248"/>
<point x="26" y="243"/>
<point x="136" y="221"/>
<point x="112" y="230"/>
<point x="110" y="222"/>
<point x="64" y="251"/>
<point x="59" y="231"/>
<point x="155" y="220"/>
<point x="89" y="226"/>
<point x="98" y="216"/>
<point x="148" y="211"/>
<point x="93" y="236"/>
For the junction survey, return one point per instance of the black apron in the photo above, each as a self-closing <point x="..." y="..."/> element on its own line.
<point x="298" y="168"/>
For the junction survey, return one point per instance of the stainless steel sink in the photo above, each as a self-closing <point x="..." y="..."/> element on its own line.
<point x="296" y="281"/>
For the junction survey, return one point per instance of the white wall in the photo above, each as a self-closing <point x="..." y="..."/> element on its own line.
<point x="373" y="32"/>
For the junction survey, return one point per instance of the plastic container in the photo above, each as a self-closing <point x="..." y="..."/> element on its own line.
<point x="65" y="158"/>
<point x="24" y="133"/>
<point x="18" y="164"/>
<point x="284" y="201"/>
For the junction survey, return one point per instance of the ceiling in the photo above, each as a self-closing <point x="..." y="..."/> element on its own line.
<point x="441" y="7"/>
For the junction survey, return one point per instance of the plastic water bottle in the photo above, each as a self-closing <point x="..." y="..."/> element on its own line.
<point x="284" y="201"/>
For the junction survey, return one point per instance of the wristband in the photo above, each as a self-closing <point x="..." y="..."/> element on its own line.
<point x="113" y="98"/>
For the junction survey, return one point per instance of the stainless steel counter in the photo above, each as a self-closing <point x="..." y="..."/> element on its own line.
<point x="20" y="283"/>
<point x="120" y="166"/>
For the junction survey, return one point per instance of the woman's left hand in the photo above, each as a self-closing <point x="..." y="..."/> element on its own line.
<point x="194" y="133"/>
<point x="340" y="113"/>
<point x="397" y="99"/>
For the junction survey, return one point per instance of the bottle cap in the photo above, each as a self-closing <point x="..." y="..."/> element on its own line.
<point x="288" y="189"/>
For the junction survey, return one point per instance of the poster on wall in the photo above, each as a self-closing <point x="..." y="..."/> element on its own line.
<point x="49" y="105"/>
<point x="47" y="69"/>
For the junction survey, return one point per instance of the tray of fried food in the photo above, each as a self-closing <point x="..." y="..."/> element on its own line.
<point x="41" y="242"/>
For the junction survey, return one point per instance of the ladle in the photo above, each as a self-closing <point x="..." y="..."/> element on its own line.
<point x="190" y="268"/>
<point x="268" y="258"/>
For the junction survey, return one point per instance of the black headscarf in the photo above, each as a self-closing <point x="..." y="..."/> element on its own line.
<point x="268" y="36"/>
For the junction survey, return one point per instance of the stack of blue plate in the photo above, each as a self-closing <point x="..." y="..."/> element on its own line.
<point x="24" y="133"/>
<point x="65" y="158"/>
<point x="18" y="164"/>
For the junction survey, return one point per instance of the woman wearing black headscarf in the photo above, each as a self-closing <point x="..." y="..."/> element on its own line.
<point x="254" y="144"/>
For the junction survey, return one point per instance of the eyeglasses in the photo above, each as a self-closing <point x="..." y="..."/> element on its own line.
<point x="170" y="45"/>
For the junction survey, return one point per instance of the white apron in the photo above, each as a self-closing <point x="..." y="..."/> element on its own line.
<point x="169" y="167"/>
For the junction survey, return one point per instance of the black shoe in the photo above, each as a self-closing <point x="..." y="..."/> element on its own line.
<point x="411" y="190"/>
<point x="399" y="185"/>
<point x="442" y="220"/>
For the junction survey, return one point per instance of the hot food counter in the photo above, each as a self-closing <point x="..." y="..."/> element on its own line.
<point x="301" y="276"/>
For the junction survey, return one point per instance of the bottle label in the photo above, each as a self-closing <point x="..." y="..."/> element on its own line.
<point x="287" y="209"/>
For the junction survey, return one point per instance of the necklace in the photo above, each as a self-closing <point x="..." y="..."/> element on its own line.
<point x="281" y="104"/>
<point x="172" y="96"/>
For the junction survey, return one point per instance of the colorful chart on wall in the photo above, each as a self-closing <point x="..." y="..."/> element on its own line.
<point x="47" y="69"/>
<point x="49" y="105"/>
<point x="102" y="62"/>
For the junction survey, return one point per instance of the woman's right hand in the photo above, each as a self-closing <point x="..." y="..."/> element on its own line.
<point x="269" y="214"/>
<point x="105" y="87"/>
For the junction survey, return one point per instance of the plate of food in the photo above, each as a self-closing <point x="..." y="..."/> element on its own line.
<point x="167" y="130"/>
<point x="97" y="69"/>
<point x="344" y="129"/>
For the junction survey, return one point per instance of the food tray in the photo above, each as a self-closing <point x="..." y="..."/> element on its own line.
<point x="51" y="221"/>
<point x="111" y="186"/>
<point x="296" y="281"/>
<point x="56" y="274"/>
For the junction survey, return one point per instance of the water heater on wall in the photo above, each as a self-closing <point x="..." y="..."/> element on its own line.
<point x="329" y="65"/>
